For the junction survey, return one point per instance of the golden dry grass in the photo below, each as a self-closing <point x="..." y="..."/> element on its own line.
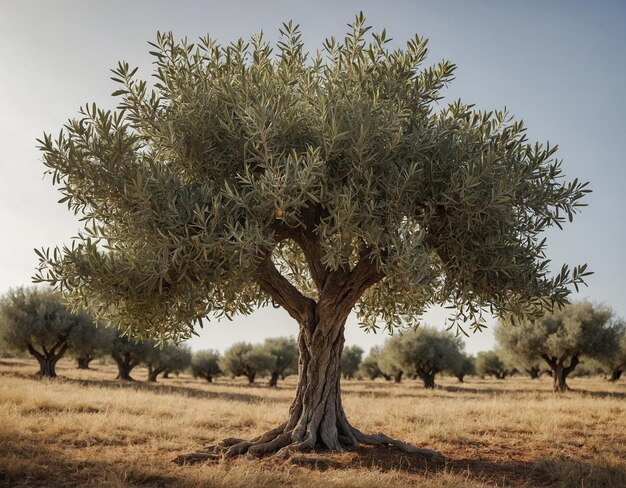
<point x="86" y="429"/>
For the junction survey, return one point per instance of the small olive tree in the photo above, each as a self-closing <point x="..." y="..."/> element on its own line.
<point x="424" y="353"/>
<point x="493" y="363"/>
<point x="250" y="174"/>
<point x="284" y="351"/>
<point x="129" y="353"/>
<point x="370" y="367"/>
<point x="614" y="363"/>
<point x="168" y="357"/>
<point x="244" y="359"/>
<point x="88" y="341"/>
<point x="466" y="365"/>
<point x="205" y="364"/>
<point x="350" y="361"/>
<point x="37" y="320"/>
<point x="561" y="338"/>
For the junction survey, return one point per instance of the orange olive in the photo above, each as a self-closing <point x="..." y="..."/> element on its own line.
<point x="279" y="214"/>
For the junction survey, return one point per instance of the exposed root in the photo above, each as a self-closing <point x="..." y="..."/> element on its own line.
<point x="382" y="439"/>
<point x="283" y="443"/>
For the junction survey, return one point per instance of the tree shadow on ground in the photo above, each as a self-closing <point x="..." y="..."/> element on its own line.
<point x="158" y="388"/>
<point x="539" y="472"/>
<point x="495" y="391"/>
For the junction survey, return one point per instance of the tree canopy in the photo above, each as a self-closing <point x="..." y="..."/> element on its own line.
<point x="424" y="353"/>
<point x="250" y="174"/>
<point x="284" y="351"/>
<point x="244" y="359"/>
<point x="205" y="364"/>
<point x="350" y="361"/>
<point x="36" y="320"/>
<point x="493" y="363"/>
<point x="561" y="338"/>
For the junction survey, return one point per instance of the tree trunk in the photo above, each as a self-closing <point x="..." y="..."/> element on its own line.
<point x="47" y="366"/>
<point x="273" y="380"/>
<point x="209" y="378"/>
<point x="558" y="379"/>
<point x="166" y="374"/>
<point x="123" y="369"/>
<point x="152" y="374"/>
<point x="428" y="379"/>
<point x="533" y="372"/>
<point x="251" y="377"/>
<point x="460" y="377"/>
<point x="83" y="362"/>
<point x="397" y="377"/>
<point x="615" y="375"/>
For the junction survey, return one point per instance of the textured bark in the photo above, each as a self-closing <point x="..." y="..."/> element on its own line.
<point x="560" y="372"/>
<point x="316" y="417"/>
<point x="48" y="359"/>
<point x="124" y="367"/>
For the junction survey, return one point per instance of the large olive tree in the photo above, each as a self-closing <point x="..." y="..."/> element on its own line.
<point x="251" y="174"/>
<point x="36" y="320"/>
<point x="561" y="338"/>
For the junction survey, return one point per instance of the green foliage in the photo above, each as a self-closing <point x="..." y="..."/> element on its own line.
<point x="88" y="340"/>
<point x="245" y="151"/>
<point x="424" y="352"/>
<point x="370" y="367"/>
<point x="464" y="366"/>
<point x="36" y="320"/>
<point x="614" y="361"/>
<point x="350" y="361"/>
<point x="492" y="363"/>
<point x="244" y="359"/>
<point x="285" y="353"/>
<point x="205" y="364"/>
<point x="580" y="329"/>
<point x="170" y="357"/>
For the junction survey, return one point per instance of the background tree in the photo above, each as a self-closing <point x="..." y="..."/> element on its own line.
<point x="250" y="175"/>
<point x="170" y="357"/>
<point x="492" y="363"/>
<point x="205" y="364"/>
<point x="465" y="365"/>
<point x="285" y="353"/>
<point x="244" y="359"/>
<point x="129" y="353"/>
<point x="350" y="361"/>
<point x="88" y="341"/>
<point x="425" y="352"/>
<point x="560" y="338"/>
<point x="614" y="362"/>
<point x="369" y="366"/>
<point x="36" y="320"/>
<point x="180" y="362"/>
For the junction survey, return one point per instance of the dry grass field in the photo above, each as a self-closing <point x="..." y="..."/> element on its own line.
<point x="86" y="429"/>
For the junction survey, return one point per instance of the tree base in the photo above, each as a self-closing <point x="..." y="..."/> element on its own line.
<point x="282" y="444"/>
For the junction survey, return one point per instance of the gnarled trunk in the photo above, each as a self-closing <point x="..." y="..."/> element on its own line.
<point x="124" y="367"/>
<point x="48" y="360"/>
<point x="316" y="417"/>
<point x="560" y="372"/>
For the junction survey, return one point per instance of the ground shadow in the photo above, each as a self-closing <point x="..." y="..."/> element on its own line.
<point x="538" y="472"/>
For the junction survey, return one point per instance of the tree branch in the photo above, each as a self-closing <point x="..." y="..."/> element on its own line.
<point x="283" y="292"/>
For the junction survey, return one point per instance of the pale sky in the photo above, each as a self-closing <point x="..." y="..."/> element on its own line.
<point x="559" y="65"/>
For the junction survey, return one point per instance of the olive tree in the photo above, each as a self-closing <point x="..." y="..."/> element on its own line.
<point x="424" y="353"/>
<point x="37" y="320"/>
<point x="492" y="363"/>
<point x="205" y="364"/>
<point x="350" y="361"/>
<point x="251" y="174"/>
<point x="88" y="340"/>
<point x="463" y="366"/>
<point x="244" y="359"/>
<point x="613" y="361"/>
<point x="561" y="337"/>
<point x="129" y="353"/>
<point x="167" y="357"/>
<point x="370" y="367"/>
<point x="284" y="352"/>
